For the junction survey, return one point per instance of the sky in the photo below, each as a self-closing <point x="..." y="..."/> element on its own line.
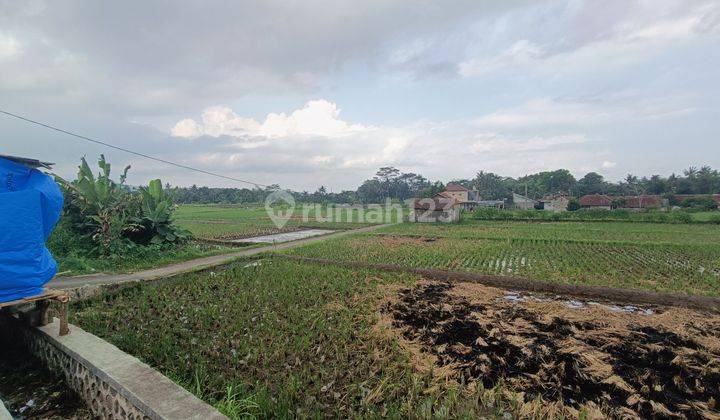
<point x="324" y="92"/>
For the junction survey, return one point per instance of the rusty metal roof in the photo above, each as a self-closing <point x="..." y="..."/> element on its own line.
<point x="32" y="163"/>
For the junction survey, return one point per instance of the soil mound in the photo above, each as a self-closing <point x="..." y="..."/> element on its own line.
<point x="628" y="365"/>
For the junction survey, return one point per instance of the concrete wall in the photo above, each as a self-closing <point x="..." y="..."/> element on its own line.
<point x="460" y="196"/>
<point x="424" y="216"/>
<point x="114" y="384"/>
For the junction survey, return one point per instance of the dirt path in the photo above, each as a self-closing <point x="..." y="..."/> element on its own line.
<point x="189" y="266"/>
<point x="612" y="294"/>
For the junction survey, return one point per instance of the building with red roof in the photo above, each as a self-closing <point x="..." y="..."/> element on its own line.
<point x="596" y="201"/>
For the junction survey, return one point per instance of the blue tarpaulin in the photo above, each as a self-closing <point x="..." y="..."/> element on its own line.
<point x="30" y="205"/>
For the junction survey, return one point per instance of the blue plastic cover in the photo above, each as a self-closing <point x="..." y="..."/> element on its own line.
<point x="30" y="205"/>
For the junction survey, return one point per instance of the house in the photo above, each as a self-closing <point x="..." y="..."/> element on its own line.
<point x="555" y="202"/>
<point x="498" y="204"/>
<point x="460" y="194"/>
<point x="639" y="202"/>
<point x="596" y="201"/>
<point x="467" y="199"/>
<point x="436" y="209"/>
<point x="521" y="202"/>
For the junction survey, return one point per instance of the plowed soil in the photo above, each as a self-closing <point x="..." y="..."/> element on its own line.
<point x="659" y="363"/>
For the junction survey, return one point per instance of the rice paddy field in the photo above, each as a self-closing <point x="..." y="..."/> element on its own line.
<point x="274" y="337"/>
<point x="232" y="222"/>
<point x="667" y="258"/>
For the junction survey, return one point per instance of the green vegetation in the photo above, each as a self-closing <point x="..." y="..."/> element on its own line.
<point x="552" y="232"/>
<point x="273" y="337"/>
<point x="281" y="340"/>
<point x="390" y="182"/>
<point x="706" y="216"/>
<point x="684" y="259"/>
<point x="111" y="217"/>
<point x="224" y="221"/>
<point x="587" y="215"/>
<point x="699" y="204"/>
<point x="105" y="226"/>
<point x="74" y="259"/>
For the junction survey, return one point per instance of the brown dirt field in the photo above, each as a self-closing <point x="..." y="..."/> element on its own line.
<point x="664" y="363"/>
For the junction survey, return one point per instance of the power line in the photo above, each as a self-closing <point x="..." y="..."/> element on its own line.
<point x="179" y="165"/>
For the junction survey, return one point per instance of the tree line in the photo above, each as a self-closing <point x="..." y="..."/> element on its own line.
<point x="390" y="182"/>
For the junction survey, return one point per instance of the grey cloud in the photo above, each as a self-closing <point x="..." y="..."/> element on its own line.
<point x="151" y="57"/>
<point x="96" y="66"/>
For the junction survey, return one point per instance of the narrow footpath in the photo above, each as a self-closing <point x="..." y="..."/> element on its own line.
<point x="191" y="265"/>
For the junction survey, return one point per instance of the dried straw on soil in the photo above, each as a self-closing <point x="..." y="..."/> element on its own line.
<point x="660" y="365"/>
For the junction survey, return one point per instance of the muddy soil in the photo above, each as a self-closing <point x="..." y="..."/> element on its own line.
<point x="661" y="363"/>
<point x="30" y="391"/>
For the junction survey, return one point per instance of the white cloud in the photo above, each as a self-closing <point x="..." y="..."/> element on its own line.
<point x="9" y="47"/>
<point x="186" y="128"/>
<point x="316" y="118"/>
<point x="322" y="160"/>
<point x="606" y="164"/>
<point x="493" y="142"/>
<point x="551" y="112"/>
<point x="629" y="40"/>
<point x="521" y="52"/>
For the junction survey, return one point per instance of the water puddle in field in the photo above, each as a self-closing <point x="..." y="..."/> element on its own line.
<point x="284" y="237"/>
<point x="613" y="358"/>
<point x="519" y="297"/>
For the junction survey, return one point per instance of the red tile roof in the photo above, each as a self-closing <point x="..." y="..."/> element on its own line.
<point x="643" y="201"/>
<point x="455" y="187"/>
<point x="595" y="200"/>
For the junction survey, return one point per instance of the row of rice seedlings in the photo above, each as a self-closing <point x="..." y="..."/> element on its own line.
<point x="660" y="267"/>
<point x="591" y="231"/>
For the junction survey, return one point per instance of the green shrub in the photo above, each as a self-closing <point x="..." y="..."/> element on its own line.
<point x="110" y="217"/>
<point x="573" y="204"/>
<point x="700" y="203"/>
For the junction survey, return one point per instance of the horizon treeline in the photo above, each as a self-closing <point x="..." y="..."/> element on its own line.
<point x="390" y="182"/>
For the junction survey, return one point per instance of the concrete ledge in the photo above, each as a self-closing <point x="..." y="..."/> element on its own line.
<point x="113" y="383"/>
<point x="4" y="414"/>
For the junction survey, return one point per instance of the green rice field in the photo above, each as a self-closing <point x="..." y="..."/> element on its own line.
<point x="278" y="338"/>
<point x="206" y="221"/>
<point x="669" y="258"/>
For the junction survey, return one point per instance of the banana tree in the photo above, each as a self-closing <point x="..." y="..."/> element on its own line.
<point x="157" y="210"/>
<point x="98" y="206"/>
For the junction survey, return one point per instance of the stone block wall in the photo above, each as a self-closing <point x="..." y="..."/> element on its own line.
<point x="114" y="384"/>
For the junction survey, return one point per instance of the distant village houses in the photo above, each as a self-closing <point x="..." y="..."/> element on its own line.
<point x="436" y="209"/>
<point x="555" y="202"/>
<point x="596" y="201"/>
<point x="522" y="202"/>
<point x="468" y="199"/>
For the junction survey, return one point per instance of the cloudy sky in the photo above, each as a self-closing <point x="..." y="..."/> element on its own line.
<point x="323" y="92"/>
